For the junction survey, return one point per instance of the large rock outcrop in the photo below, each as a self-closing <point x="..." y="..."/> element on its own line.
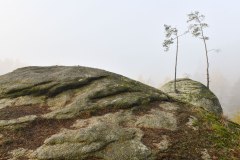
<point x="79" y="113"/>
<point x="195" y="93"/>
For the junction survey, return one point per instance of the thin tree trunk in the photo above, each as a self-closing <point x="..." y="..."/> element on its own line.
<point x="207" y="63"/>
<point x="175" y="75"/>
<point x="206" y="51"/>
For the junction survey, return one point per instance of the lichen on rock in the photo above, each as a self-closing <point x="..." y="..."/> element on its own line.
<point x="195" y="93"/>
<point x="96" y="136"/>
<point x="74" y="113"/>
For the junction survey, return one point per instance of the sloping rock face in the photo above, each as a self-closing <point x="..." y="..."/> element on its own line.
<point x="79" y="113"/>
<point x="195" y="93"/>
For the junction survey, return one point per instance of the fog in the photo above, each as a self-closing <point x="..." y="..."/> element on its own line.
<point x="124" y="37"/>
<point x="8" y="65"/>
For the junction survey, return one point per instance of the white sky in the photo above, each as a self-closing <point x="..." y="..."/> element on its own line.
<point x="123" y="36"/>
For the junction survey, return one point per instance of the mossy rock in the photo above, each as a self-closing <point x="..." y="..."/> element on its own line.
<point x="195" y="93"/>
<point x="80" y="113"/>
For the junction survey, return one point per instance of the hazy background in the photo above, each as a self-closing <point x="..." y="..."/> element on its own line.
<point x="125" y="37"/>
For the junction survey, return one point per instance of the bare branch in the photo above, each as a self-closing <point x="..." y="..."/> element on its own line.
<point x="186" y="32"/>
<point x="214" y="50"/>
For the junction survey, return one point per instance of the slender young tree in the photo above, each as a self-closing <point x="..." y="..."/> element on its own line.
<point x="171" y="35"/>
<point x="197" y="30"/>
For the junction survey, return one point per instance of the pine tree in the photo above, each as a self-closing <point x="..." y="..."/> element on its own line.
<point x="197" y="30"/>
<point x="171" y="35"/>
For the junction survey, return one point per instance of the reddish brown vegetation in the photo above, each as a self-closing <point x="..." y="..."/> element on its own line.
<point x="30" y="136"/>
<point x="20" y="111"/>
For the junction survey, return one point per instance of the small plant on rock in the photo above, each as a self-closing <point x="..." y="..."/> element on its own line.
<point x="172" y="35"/>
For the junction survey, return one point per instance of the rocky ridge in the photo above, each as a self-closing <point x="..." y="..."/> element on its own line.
<point x="83" y="113"/>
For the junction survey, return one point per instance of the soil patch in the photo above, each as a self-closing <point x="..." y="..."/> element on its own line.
<point x="93" y="158"/>
<point x="144" y="109"/>
<point x="31" y="136"/>
<point x="14" y="112"/>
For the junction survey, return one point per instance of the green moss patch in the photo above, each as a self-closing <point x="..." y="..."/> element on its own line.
<point x="225" y="135"/>
<point x="221" y="138"/>
<point x="50" y="89"/>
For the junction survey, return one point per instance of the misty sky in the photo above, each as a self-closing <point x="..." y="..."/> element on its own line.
<point x="123" y="36"/>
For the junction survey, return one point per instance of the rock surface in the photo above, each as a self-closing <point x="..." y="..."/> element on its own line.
<point x="79" y="113"/>
<point x="195" y="93"/>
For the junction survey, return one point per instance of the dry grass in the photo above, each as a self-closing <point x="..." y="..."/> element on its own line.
<point x="236" y="118"/>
